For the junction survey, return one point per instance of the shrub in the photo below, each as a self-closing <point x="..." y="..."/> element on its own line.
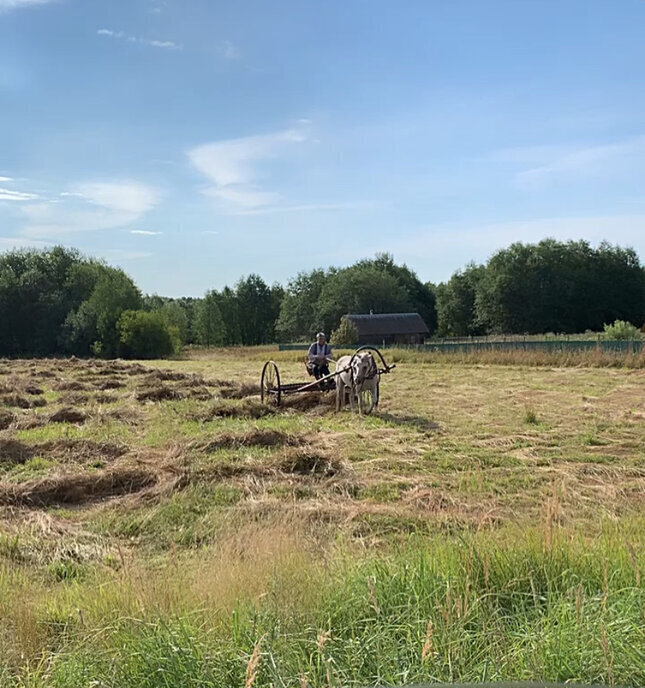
<point x="345" y="335"/>
<point x="621" y="329"/>
<point x="146" y="335"/>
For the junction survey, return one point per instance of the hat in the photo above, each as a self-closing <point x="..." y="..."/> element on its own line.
<point x="320" y="334"/>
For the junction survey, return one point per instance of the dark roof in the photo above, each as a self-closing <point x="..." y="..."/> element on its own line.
<point x="388" y="323"/>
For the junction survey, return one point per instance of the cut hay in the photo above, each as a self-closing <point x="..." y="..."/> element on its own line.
<point x="239" y="391"/>
<point x="6" y="419"/>
<point x="253" y="438"/>
<point x="70" y="386"/>
<point x="161" y="393"/>
<point x="67" y="414"/>
<point x="32" y="389"/>
<point x="113" y="383"/>
<point x="77" y="488"/>
<point x="246" y="409"/>
<point x="309" y="461"/>
<point x="14" y="452"/>
<point x="70" y="450"/>
<point x="101" y="398"/>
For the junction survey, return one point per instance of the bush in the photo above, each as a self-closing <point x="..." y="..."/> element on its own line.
<point x="345" y="335"/>
<point x="146" y="335"/>
<point x="621" y="329"/>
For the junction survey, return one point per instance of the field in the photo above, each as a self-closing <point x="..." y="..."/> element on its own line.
<point x="161" y="527"/>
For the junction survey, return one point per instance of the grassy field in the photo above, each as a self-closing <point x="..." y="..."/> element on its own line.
<point x="160" y="527"/>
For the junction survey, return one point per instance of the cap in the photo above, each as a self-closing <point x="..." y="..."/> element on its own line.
<point x="320" y="334"/>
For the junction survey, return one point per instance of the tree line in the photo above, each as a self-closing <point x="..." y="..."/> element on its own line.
<point x="57" y="301"/>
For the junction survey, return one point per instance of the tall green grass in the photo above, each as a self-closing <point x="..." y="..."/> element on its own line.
<point x="537" y="605"/>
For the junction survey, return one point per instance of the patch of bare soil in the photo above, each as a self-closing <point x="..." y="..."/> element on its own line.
<point x="160" y="393"/>
<point x="14" y="452"/>
<point x="78" y="488"/>
<point x="253" y="438"/>
<point x="6" y="419"/>
<point x="67" y="414"/>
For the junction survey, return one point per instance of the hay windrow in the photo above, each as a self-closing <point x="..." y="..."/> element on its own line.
<point x="246" y="409"/>
<point x="14" y="452"/>
<point x="17" y="401"/>
<point x="253" y="438"/>
<point x="78" y="488"/>
<point x="6" y="418"/>
<point x="312" y="462"/>
<point x="67" y="414"/>
<point x="161" y="393"/>
<point x="70" y="386"/>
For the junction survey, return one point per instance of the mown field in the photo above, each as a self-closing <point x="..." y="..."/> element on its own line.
<point x="160" y="527"/>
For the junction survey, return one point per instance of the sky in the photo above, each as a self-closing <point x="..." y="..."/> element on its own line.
<point x="193" y="142"/>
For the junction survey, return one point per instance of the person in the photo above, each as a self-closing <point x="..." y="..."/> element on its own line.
<point x="319" y="357"/>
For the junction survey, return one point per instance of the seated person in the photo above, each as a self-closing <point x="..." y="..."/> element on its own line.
<point x="319" y="357"/>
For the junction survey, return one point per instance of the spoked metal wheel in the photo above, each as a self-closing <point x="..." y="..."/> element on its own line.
<point x="270" y="391"/>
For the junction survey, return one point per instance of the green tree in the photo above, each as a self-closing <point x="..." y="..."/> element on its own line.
<point x="145" y="335"/>
<point x="345" y="335"/>
<point x="297" y="318"/>
<point x="456" y="315"/>
<point x="255" y="310"/>
<point x="359" y="289"/>
<point x="210" y="329"/>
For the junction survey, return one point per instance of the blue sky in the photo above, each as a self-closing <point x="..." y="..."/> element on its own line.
<point x="195" y="141"/>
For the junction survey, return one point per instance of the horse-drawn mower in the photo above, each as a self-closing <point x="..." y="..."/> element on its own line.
<point x="358" y="379"/>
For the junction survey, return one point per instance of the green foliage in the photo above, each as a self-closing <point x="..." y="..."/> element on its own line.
<point x="456" y="303"/>
<point x="345" y="335"/>
<point x="297" y="317"/>
<point x="559" y="287"/>
<point x="209" y="324"/>
<point x="146" y="335"/>
<point x="621" y="330"/>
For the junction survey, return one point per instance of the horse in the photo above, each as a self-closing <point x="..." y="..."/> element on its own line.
<point x="359" y="373"/>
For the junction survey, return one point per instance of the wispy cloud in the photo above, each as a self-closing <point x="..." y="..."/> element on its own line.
<point x="233" y="166"/>
<point x="144" y="232"/>
<point x="8" y="5"/>
<point x="6" y="179"/>
<point x="90" y="207"/>
<point x="9" y="195"/>
<point x="555" y="164"/>
<point x="229" y="50"/>
<point x="303" y="208"/>
<point x="129" y="38"/>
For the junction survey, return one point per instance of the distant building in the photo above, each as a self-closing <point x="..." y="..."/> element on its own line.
<point x="389" y="328"/>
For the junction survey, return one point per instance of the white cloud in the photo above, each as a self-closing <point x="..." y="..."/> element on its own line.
<point x="144" y="232"/>
<point x="8" y="195"/>
<point x="8" y="5"/>
<point x="556" y="164"/>
<point x="232" y="166"/>
<point x="122" y="196"/>
<point x="121" y="35"/>
<point x="90" y="207"/>
<point x="6" y="179"/>
<point x="229" y="50"/>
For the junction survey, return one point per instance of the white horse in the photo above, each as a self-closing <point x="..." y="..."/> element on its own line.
<point x="361" y="377"/>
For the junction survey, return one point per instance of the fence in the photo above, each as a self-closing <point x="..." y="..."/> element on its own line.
<point x="548" y="345"/>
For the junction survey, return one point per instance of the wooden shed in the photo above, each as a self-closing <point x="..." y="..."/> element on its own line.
<point x="389" y="328"/>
